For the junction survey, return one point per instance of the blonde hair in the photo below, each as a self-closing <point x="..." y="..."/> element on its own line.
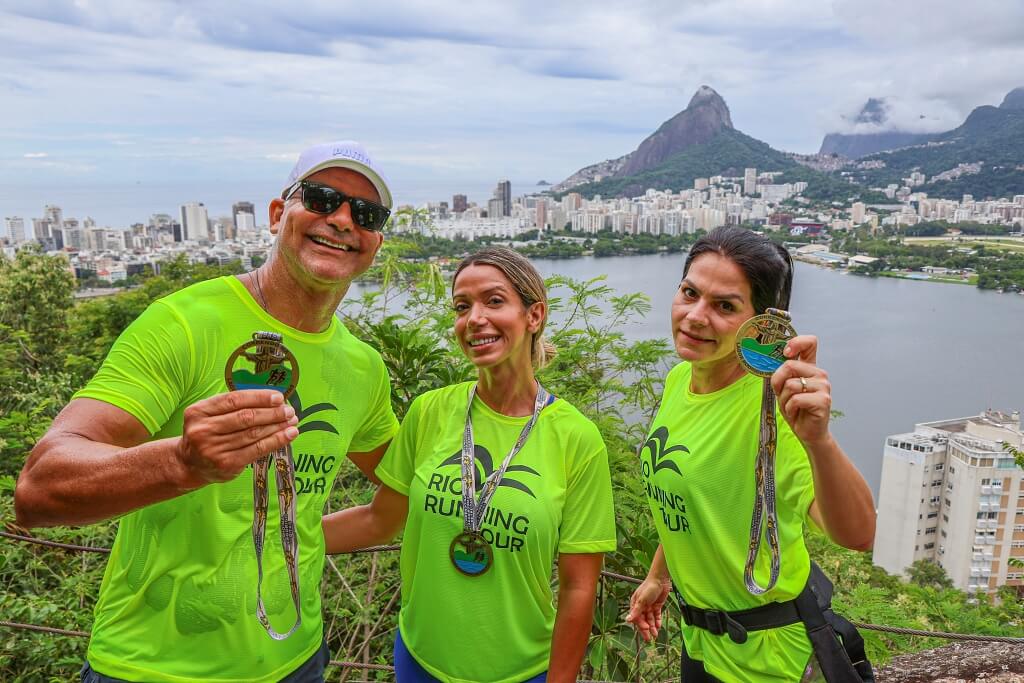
<point x="529" y="285"/>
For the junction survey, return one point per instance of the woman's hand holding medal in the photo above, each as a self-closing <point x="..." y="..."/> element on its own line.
<point x="804" y="391"/>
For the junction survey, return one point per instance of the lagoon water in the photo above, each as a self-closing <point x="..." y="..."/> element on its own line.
<point x="897" y="352"/>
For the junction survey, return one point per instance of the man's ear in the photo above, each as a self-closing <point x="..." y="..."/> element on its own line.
<point x="276" y="211"/>
<point x="380" y="242"/>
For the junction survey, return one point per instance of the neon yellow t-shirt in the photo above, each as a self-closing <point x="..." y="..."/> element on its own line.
<point x="556" y="497"/>
<point x="697" y="471"/>
<point x="178" y="599"/>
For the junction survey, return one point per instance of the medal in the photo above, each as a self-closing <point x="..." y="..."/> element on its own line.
<point x="272" y="367"/>
<point x="469" y="551"/>
<point x="760" y="342"/>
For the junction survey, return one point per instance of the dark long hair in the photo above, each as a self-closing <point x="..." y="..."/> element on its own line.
<point x="767" y="265"/>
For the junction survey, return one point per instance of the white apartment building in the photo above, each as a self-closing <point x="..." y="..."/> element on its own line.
<point x="195" y="222"/>
<point x="950" y="493"/>
<point x="15" y="226"/>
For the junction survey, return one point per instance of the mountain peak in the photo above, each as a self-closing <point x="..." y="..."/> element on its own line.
<point x="705" y="117"/>
<point x="1014" y="99"/>
<point x="873" y="111"/>
<point x="704" y="92"/>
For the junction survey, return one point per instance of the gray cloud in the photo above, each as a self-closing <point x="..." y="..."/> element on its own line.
<point x="152" y="88"/>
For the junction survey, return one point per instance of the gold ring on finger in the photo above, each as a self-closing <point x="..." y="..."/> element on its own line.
<point x="803" y="384"/>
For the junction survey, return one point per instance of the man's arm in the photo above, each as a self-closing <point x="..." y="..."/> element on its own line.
<point x="95" y="462"/>
<point x="577" y="585"/>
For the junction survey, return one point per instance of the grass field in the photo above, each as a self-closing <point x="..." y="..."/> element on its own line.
<point x="1012" y="244"/>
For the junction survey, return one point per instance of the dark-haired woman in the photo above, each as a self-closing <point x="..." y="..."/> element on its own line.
<point x="699" y="461"/>
<point x="476" y="589"/>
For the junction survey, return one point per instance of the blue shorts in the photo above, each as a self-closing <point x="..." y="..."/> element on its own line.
<point x="408" y="670"/>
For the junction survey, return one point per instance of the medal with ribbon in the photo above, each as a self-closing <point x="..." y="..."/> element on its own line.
<point x="470" y="552"/>
<point x="760" y="342"/>
<point x="272" y="367"/>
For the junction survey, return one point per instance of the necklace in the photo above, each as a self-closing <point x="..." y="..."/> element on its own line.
<point x="255" y="277"/>
<point x="469" y="551"/>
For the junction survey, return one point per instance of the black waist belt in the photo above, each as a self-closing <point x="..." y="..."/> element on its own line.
<point x="836" y="642"/>
<point x="736" y="624"/>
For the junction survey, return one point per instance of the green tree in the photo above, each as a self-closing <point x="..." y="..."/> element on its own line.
<point x="926" y="573"/>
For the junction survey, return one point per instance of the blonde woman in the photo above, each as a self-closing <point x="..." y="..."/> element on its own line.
<point x="532" y="473"/>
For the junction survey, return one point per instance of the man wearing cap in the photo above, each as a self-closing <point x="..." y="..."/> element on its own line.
<point x="156" y="439"/>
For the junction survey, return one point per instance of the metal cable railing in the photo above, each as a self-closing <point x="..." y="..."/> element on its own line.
<point x="390" y="548"/>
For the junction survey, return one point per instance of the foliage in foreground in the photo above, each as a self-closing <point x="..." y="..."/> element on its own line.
<point x="52" y="349"/>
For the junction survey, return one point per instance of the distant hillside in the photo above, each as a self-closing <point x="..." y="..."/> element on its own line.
<point x="856" y="145"/>
<point x="991" y="139"/>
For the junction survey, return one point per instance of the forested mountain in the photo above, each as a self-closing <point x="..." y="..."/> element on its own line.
<point x="983" y="157"/>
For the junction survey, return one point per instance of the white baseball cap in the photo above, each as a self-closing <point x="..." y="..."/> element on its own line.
<point x="343" y="154"/>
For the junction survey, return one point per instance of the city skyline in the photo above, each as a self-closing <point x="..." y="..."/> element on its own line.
<point x="197" y="103"/>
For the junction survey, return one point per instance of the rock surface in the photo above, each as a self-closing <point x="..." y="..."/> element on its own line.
<point x="705" y="116"/>
<point x="959" y="662"/>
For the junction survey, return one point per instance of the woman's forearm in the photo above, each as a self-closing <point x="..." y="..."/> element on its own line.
<point x="365" y="525"/>
<point x="659" y="567"/>
<point x="845" y="507"/>
<point x="577" y="578"/>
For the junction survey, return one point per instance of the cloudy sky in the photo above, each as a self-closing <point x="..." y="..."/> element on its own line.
<point x="122" y="108"/>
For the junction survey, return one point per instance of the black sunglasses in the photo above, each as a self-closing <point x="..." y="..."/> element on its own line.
<point x="326" y="200"/>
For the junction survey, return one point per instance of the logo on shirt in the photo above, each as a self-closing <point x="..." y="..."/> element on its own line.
<point x="485" y="468"/>
<point x="314" y="467"/>
<point x="660" y="450"/>
<point x="503" y="529"/>
<point x="672" y="505"/>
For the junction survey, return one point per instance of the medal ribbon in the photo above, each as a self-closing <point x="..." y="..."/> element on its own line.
<point x="473" y="511"/>
<point x="284" y="471"/>
<point x="268" y="356"/>
<point x="764" y="502"/>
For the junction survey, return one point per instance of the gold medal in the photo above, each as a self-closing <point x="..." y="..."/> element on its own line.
<point x="273" y="365"/>
<point x="471" y="553"/>
<point x="761" y="340"/>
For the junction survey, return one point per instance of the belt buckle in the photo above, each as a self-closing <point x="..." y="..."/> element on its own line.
<point x="715" y="621"/>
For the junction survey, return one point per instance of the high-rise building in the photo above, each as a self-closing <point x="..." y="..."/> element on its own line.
<point x="223" y="228"/>
<point x="503" y="193"/>
<point x="459" y="203"/>
<point x="55" y="215"/>
<point x="749" y="181"/>
<point x="241" y="207"/>
<point x="73" y="238"/>
<point x="42" y="228"/>
<point x="541" y="219"/>
<point x="495" y="207"/>
<point x="572" y="201"/>
<point x="857" y="213"/>
<point x="195" y="224"/>
<point x="952" y="494"/>
<point x="15" y="226"/>
<point x="244" y="222"/>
